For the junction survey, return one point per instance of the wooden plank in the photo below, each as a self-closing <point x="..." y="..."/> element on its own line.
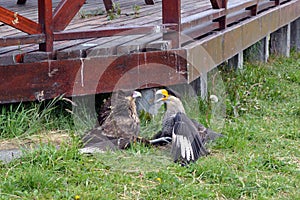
<point x="237" y="6"/>
<point x="207" y="53"/>
<point x="194" y="10"/>
<point x="110" y="47"/>
<point x="203" y="17"/>
<point x="94" y="47"/>
<point x="200" y="30"/>
<point x="95" y="75"/>
<point x="265" y="5"/>
<point x="65" y="12"/>
<point x="21" y="40"/>
<point x="160" y="45"/>
<point x="137" y="45"/>
<point x="105" y="32"/>
<point x="237" y="16"/>
<point x="188" y="7"/>
<point x="19" y="22"/>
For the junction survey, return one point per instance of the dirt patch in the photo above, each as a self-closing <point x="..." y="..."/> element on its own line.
<point x="54" y="137"/>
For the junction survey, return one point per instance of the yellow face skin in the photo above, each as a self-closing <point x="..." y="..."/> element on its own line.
<point x="163" y="92"/>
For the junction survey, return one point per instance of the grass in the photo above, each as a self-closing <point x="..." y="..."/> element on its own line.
<point x="258" y="159"/>
<point x="21" y="120"/>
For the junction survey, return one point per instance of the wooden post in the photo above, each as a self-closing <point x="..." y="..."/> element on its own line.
<point x="219" y="4"/>
<point x="171" y="14"/>
<point x="277" y="2"/>
<point x="108" y="5"/>
<point x="45" y="19"/>
<point x="253" y="8"/>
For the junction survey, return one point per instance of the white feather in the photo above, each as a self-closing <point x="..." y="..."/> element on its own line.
<point x="185" y="146"/>
<point x="180" y="143"/>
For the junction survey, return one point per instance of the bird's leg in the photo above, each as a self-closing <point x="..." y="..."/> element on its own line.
<point x="161" y="140"/>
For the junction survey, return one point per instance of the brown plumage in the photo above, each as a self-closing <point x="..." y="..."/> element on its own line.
<point x="118" y="124"/>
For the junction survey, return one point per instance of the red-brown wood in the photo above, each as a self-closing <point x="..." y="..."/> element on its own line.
<point x="108" y="5"/>
<point x="253" y="9"/>
<point x="171" y="14"/>
<point x="21" y="40"/>
<point x="45" y="19"/>
<point x="90" y="76"/>
<point x="201" y="18"/>
<point x="19" y="22"/>
<point x="265" y="5"/>
<point x="105" y="32"/>
<point x="65" y="12"/>
<point x="78" y="76"/>
<point x="241" y="6"/>
<point x="217" y="4"/>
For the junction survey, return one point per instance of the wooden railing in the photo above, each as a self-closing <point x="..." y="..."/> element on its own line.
<point x="50" y="26"/>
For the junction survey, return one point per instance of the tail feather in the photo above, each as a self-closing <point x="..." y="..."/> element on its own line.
<point x="211" y="136"/>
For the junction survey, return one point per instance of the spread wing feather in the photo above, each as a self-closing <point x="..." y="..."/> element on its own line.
<point x="187" y="144"/>
<point x="206" y="134"/>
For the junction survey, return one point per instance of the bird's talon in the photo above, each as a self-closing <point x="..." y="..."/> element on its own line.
<point x="160" y="140"/>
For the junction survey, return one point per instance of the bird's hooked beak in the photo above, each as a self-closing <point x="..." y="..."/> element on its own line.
<point x="164" y="93"/>
<point x="136" y="94"/>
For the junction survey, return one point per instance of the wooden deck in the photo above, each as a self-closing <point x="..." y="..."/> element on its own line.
<point x="84" y="20"/>
<point x="94" y="62"/>
<point x="92" y="16"/>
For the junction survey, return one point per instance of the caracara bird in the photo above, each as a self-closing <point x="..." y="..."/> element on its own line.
<point x="188" y="136"/>
<point x="118" y="124"/>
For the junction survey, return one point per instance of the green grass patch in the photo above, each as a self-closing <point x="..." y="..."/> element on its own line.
<point x="258" y="159"/>
<point x="25" y="119"/>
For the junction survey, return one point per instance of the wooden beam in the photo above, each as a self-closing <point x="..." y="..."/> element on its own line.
<point x="45" y="19"/>
<point x="94" y="75"/>
<point x="106" y="32"/>
<point x="19" y="22"/>
<point x="201" y="18"/>
<point x="65" y="12"/>
<point x="21" y="40"/>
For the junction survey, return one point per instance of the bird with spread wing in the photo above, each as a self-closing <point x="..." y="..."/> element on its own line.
<point x="188" y="136"/>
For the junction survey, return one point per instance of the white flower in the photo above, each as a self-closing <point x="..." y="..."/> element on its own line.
<point x="213" y="98"/>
